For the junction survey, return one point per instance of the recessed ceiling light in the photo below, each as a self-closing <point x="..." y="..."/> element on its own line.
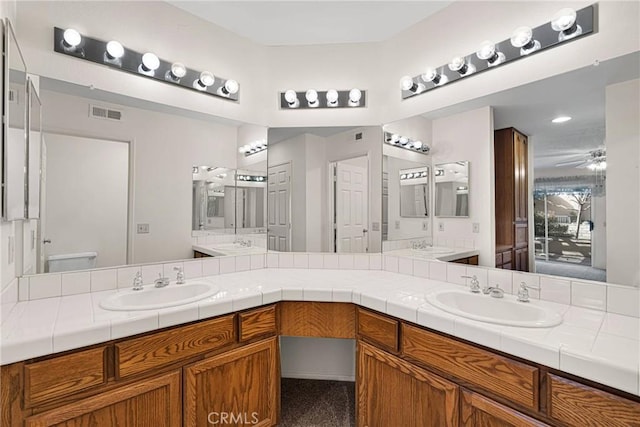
<point x="561" y="119"/>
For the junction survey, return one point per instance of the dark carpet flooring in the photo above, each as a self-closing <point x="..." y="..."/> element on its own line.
<point x="317" y="403"/>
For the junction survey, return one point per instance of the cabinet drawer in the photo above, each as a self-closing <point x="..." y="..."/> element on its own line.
<point x="579" y="405"/>
<point x="504" y="377"/>
<point x="63" y="375"/>
<point x="166" y="347"/>
<point x="257" y="323"/>
<point x="382" y="330"/>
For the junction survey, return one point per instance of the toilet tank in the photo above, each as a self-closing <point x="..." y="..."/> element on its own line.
<point x="70" y="262"/>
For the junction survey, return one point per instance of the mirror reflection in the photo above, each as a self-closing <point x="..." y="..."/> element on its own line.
<point x="324" y="189"/>
<point x="210" y="186"/>
<point x="452" y="189"/>
<point x="414" y="192"/>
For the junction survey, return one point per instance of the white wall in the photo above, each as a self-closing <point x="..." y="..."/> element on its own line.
<point x="316" y="190"/>
<point x="622" y="110"/>
<point x="468" y="136"/>
<point x="165" y="148"/>
<point x="318" y="358"/>
<point x="87" y="198"/>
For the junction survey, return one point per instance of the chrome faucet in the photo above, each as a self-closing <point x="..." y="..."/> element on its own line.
<point x="474" y="286"/>
<point x="523" y="292"/>
<point x="419" y="244"/>
<point x="493" y="291"/>
<point x="137" y="281"/>
<point x="242" y="242"/>
<point x="161" y="282"/>
<point x="179" y="275"/>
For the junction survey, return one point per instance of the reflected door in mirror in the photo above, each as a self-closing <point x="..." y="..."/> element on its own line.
<point x="351" y="208"/>
<point x="279" y="203"/>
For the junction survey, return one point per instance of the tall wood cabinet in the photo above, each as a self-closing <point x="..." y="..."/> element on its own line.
<point x="512" y="199"/>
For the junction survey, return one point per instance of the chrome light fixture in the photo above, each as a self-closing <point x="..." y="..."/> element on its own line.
<point x="405" y="142"/>
<point x="489" y="53"/>
<point x="566" y="25"/>
<point x="332" y="98"/>
<point x="253" y="148"/>
<point x="113" y="54"/>
<point x="522" y="37"/>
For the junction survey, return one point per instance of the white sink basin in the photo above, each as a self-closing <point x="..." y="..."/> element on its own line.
<point x="503" y="311"/>
<point x="152" y="298"/>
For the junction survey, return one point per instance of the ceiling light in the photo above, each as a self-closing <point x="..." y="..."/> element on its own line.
<point x="407" y="84"/>
<point x="205" y="80"/>
<point x="564" y="21"/>
<point x="355" y="95"/>
<point x="332" y="98"/>
<point x="403" y="140"/>
<point x="229" y="88"/>
<point x="312" y="98"/>
<point x="176" y="72"/>
<point x="149" y="65"/>
<point x="459" y="64"/>
<point x="489" y="53"/>
<point x="395" y="138"/>
<point x="561" y="119"/>
<point x="71" y="38"/>
<point x="431" y="75"/>
<point x="115" y="50"/>
<point x="522" y="37"/>
<point x="417" y="144"/>
<point x="292" y="98"/>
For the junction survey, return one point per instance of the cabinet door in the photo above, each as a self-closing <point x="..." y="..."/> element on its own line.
<point x="392" y="392"/>
<point x="236" y="388"/>
<point x="153" y="402"/>
<point x="479" y="411"/>
<point x="521" y="184"/>
<point x="522" y="259"/>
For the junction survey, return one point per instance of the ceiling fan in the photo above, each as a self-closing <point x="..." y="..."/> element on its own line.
<point x="594" y="160"/>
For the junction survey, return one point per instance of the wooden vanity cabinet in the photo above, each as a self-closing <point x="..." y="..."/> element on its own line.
<point x="477" y="410"/>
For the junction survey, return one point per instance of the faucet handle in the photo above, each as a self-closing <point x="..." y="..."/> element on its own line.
<point x="179" y="275"/>
<point x="474" y="286"/>
<point x="523" y="291"/>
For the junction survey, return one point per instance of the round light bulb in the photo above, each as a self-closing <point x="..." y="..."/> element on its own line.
<point x="115" y="49"/>
<point x="290" y="96"/>
<point x="207" y="78"/>
<point x="312" y="96"/>
<point x="429" y="75"/>
<point x="150" y="61"/>
<point x="178" y="69"/>
<point x="403" y="140"/>
<point x="457" y="63"/>
<point x="231" y="86"/>
<point x="242" y="149"/>
<point x="487" y="50"/>
<point x="71" y="37"/>
<point x="563" y="19"/>
<point x="332" y="96"/>
<point x="417" y="145"/>
<point x="355" y="95"/>
<point x="521" y="36"/>
<point x="406" y="83"/>
<point x="395" y="138"/>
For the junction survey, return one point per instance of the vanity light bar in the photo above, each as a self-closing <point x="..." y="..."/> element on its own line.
<point x="252" y="178"/>
<point x="565" y="26"/>
<point x="311" y="99"/>
<point x="146" y="64"/>
<point x="414" y="175"/>
<point x="254" y="147"/>
<point x="405" y="142"/>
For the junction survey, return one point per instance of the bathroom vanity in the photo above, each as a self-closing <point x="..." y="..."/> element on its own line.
<point x="407" y="373"/>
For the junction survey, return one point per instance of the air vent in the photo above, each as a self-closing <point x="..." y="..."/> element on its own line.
<point x="103" y="113"/>
<point x="13" y="96"/>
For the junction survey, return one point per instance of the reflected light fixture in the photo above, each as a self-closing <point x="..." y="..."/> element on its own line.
<point x="332" y="98"/>
<point x="407" y="143"/>
<point x="114" y="52"/>
<point x="312" y="98"/>
<point x="205" y="80"/>
<point x="489" y="53"/>
<point x="355" y="95"/>
<point x="71" y="38"/>
<point x="176" y="72"/>
<point x="522" y="37"/>
<point x="431" y="75"/>
<point x="564" y="21"/>
<point x="292" y="98"/>
<point x="407" y="84"/>
<point x="561" y="119"/>
<point x="253" y="148"/>
<point x="150" y="63"/>
<point x="460" y="65"/>
<point x="228" y="88"/>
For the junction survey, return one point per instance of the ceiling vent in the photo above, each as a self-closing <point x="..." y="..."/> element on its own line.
<point x="104" y="113"/>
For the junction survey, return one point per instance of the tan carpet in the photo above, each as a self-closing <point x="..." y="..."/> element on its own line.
<point x="317" y="403"/>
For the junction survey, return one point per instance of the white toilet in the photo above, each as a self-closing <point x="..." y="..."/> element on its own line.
<point x="71" y="262"/>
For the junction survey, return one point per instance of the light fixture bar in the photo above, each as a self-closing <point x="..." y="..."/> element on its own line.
<point x="543" y="37"/>
<point x="407" y="143"/>
<point x="354" y="98"/>
<point x="129" y="60"/>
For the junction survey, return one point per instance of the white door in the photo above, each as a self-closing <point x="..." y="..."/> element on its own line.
<point x="279" y="204"/>
<point x="41" y="245"/>
<point x="351" y="208"/>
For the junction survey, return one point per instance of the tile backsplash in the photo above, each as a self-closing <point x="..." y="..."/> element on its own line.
<point x="624" y="300"/>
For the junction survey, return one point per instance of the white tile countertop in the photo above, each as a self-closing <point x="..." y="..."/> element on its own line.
<point x="440" y="253"/>
<point x="600" y="346"/>
<point x="226" y="249"/>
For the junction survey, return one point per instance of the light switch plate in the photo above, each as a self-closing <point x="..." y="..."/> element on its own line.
<point x="476" y="227"/>
<point x="143" y="228"/>
<point x="375" y="226"/>
<point x="425" y="226"/>
<point x="397" y="224"/>
<point x="441" y="226"/>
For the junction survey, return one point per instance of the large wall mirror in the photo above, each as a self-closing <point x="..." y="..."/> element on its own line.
<point x="324" y="189"/>
<point x="119" y="183"/>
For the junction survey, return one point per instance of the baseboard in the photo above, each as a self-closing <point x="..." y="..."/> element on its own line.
<point x="317" y="376"/>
